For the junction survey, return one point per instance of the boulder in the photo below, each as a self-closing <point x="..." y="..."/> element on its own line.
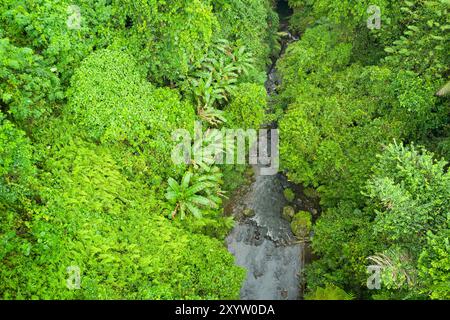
<point x="248" y="212"/>
<point x="311" y="193"/>
<point x="288" y="213"/>
<point x="301" y="224"/>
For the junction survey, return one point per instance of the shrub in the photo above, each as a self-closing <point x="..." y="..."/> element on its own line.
<point x="114" y="104"/>
<point x="247" y="107"/>
<point x="343" y="241"/>
<point x="42" y="26"/>
<point x="17" y="183"/>
<point x="289" y="194"/>
<point x="197" y="193"/>
<point x="406" y="212"/>
<point x="251" y="23"/>
<point x="112" y="229"/>
<point x="167" y="39"/>
<point x="434" y="265"/>
<point x="16" y="163"/>
<point x="28" y="89"/>
<point x="410" y="193"/>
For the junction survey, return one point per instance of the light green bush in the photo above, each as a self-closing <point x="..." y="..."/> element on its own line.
<point x="112" y="230"/>
<point x="114" y="104"/>
<point x="330" y="292"/>
<point x="247" y="107"/>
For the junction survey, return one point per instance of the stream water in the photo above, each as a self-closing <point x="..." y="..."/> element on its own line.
<point x="264" y="244"/>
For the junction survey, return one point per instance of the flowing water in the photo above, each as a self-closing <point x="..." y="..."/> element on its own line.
<point x="264" y="243"/>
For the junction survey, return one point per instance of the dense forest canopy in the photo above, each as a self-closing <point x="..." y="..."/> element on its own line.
<point x="358" y="103"/>
<point x="91" y="92"/>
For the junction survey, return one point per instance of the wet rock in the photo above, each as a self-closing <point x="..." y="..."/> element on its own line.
<point x="301" y="224"/>
<point x="248" y="212"/>
<point x="288" y="213"/>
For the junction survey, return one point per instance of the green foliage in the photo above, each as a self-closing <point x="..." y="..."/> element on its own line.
<point x="412" y="34"/>
<point x="28" y="88"/>
<point x="398" y="274"/>
<point x="84" y="186"/>
<point x="348" y="12"/>
<point x="413" y="195"/>
<point x="166" y="38"/>
<point x="196" y="193"/>
<point x="332" y="138"/>
<point x="251" y="23"/>
<point x="86" y="142"/>
<point x="289" y="194"/>
<point x="406" y="211"/>
<point x="112" y="230"/>
<point x="330" y="292"/>
<point x="114" y="104"/>
<point x="17" y="180"/>
<point x="235" y="176"/>
<point x="434" y="265"/>
<point x="339" y="115"/>
<point x="16" y="163"/>
<point x="42" y="26"/>
<point x="320" y="51"/>
<point x="348" y="91"/>
<point x="247" y="107"/>
<point x="213" y="117"/>
<point x="409" y="194"/>
<point x="342" y="239"/>
<point x="302" y="16"/>
<point x="423" y="44"/>
<point x="211" y="84"/>
<point x="301" y="224"/>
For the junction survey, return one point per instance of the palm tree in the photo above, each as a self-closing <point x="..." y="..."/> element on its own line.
<point x="195" y="193"/>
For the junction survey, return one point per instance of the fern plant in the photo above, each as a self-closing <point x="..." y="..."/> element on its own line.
<point x="196" y="194"/>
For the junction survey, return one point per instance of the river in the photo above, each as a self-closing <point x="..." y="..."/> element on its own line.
<point x="264" y="244"/>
